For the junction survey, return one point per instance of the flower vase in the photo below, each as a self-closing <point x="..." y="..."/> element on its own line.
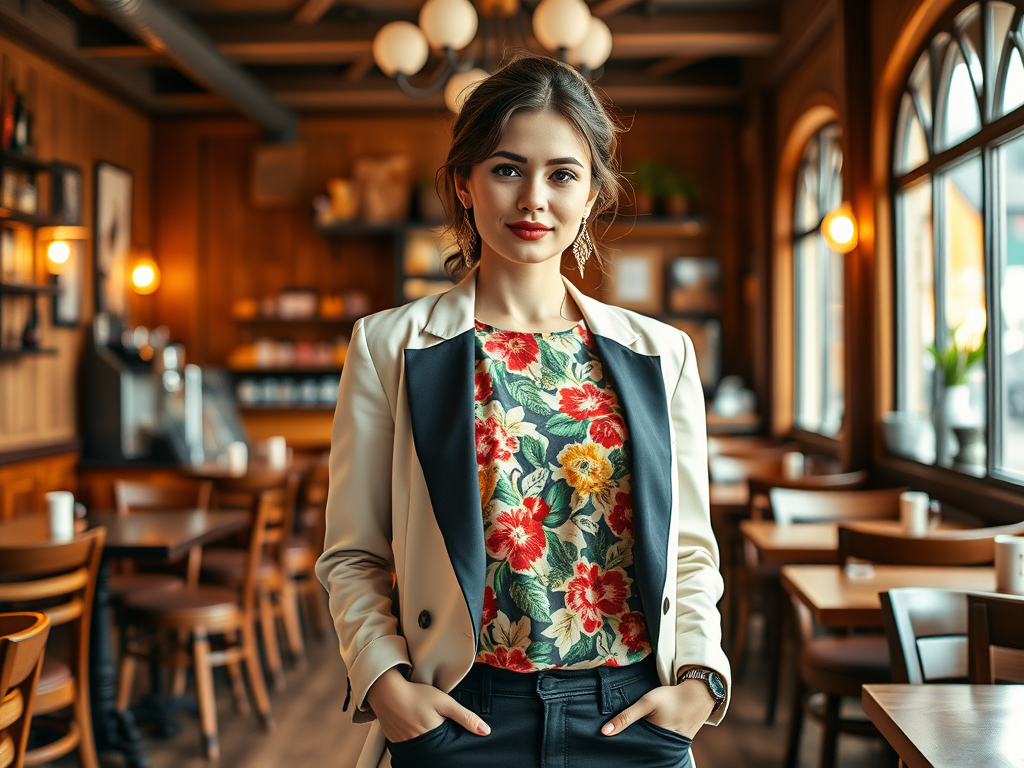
<point x="952" y="410"/>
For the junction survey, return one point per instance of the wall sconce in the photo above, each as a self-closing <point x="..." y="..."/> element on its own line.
<point x="57" y="254"/>
<point x="145" y="275"/>
<point x="839" y="228"/>
<point x="59" y="249"/>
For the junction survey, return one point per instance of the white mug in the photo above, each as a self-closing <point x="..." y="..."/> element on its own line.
<point x="914" y="512"/>
<point x="793" y="465"/>
<point x="1010" y="565"/>
<point x="61" y="508"/>
<point x="238" y="457"/>
<point x="277" y="452"/>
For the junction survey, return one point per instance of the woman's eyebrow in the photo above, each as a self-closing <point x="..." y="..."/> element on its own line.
<point x="520" y="159"/>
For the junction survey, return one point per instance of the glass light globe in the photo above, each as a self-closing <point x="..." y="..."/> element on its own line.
<point x="561" y="23"/>
<point x="400" y="47"/>
<point x="595" y="48"/>
<point x="145" y="276"/>
<point x="460" y="86"/>
<point x="448" y="23"/>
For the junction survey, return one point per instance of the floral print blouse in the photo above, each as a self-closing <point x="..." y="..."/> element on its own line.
<point x="553" y="457"/>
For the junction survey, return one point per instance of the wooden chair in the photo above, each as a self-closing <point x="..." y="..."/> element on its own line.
<point x="22" y="642"/>
<point x="302" y="550"/>
<point x="740" y="447"/>
<point x="995" y="626"/>
<point x="972" y="546"/>
<point x="927" y="633"/>
<point x="736" y="469"/>
<point x="276" y="593"/>
<point x="202" y="611"/>
<point x="59" y="578"/>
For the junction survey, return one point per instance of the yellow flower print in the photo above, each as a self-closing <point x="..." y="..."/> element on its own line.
<point x="586" y="468"/>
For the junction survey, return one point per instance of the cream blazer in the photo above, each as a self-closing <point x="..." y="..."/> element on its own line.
<point x="404" y="496"/>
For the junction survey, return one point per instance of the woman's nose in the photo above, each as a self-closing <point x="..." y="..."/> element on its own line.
<point x="532" y="197"/>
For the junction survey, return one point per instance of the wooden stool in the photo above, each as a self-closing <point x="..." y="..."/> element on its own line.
<point x="22" y="642"/>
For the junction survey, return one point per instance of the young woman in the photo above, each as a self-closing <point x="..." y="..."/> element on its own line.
<point x="519" y="554"/>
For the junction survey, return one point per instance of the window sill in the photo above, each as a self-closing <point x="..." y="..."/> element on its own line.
<point x="995" y="501"/>
<point x="812" y="442"/>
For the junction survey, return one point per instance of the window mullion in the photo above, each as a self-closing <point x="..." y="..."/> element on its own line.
<point x="994" y="215"/>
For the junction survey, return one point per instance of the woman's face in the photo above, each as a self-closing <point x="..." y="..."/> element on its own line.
<point x="530" y="196"/>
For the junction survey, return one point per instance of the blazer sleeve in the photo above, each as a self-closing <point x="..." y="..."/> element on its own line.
<point x="699" y="584"/>
<point x="357" y="564"/>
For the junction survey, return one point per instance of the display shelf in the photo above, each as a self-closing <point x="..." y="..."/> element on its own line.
<point x="654" y="227"/>
<point x="297" y="370"/>
<point x="295" y="320"/>
<point x="11" y="354"/>
<point x="23" y="161"/>
<point x="28" y="289"/>
<point x="271" y="407"/>
<point x="30" y="219"/>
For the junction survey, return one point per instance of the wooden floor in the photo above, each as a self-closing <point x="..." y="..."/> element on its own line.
<point x="313" y="732"/>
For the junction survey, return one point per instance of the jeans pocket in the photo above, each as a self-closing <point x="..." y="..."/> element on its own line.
<point x="667" y="733"/>
<point x="422" y="741"/>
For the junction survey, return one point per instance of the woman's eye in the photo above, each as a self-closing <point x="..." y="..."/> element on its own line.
<point x="563" y="176"/>
<point x="506" y="170"/>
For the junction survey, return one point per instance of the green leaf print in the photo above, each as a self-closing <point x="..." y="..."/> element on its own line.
<point x="558" y="497"/>
<point x="502" y="576"/>
<point x="582" y="650"/>
<point x="561" y="564"/>
<point x="617" y="457"/>
<point x="528" y="394"/>
<point x="564" y="425"/>
<point x="534" y="450"/>
<point x="540" y="653"/>
<point x="553" y="359"/>
<point x="506" y="492"/>
<point x="598" y="548"/>
<point x="530" y="597"/>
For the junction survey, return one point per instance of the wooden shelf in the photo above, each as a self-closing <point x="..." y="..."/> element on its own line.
<point x="656" y="227"/>
<point x="308" y="370"/>
<point x="32" y="219"/>
<point x="295" y="320"/>
<point x="20" y="160"/>
<point x="372" y="229"/>
<point x="272" y="407"/>
<point x="28" y="289"/>
<point x="12" y="354"/>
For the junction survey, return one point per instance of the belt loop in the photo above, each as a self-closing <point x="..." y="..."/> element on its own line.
<point x="485" y="690"/>
<point x="605" y="690"/>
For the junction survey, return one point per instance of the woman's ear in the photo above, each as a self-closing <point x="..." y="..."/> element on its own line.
<point x="591" y="199"/>
<point x="462" y="190"/>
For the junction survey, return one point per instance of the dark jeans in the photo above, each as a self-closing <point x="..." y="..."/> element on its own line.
<point x="548" y="720"/>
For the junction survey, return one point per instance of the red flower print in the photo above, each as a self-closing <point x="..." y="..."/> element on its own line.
<point x="608" y="431"/>
<point x="621" y="517"/>
<point x="490" y="607"/>
<point x="518" y="538"/>
<point x="518" y="350"/>
<point x="612" y="663"/>
<point x="538" y="508"/>
<point x="493" y="442"/>
<point x="633" y="630"/>
<point x="586" y="336"/>
<point x="585" y="402"/>
<point x="515" y="659"/>
<point x="593" y="595"/>
<point x="483" y="387"/>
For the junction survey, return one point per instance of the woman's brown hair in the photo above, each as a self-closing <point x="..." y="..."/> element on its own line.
<point x="528" y="82"/>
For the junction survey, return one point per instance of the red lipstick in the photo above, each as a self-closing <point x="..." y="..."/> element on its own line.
<point x="528" y="230"/>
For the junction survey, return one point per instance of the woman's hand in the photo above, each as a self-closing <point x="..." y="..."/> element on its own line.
<point x="407" y="710"/>
<point x="682" y="708"/>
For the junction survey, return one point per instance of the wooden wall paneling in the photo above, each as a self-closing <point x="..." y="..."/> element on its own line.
<point x="24" y="484"/>
<point x="79" y="124"/>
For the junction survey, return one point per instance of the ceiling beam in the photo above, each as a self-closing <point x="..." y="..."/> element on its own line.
<point x="311" y="11"/>
<point x="606" y="8"/>
<point x="694" y="35"/>
<point x="358" y="69"/>
<point x="670" y="66"/>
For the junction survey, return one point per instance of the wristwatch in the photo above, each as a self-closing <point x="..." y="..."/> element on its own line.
<point x="711" y="679"/>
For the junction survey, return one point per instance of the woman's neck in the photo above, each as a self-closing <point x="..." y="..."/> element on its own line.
<point x="529" y="298"/>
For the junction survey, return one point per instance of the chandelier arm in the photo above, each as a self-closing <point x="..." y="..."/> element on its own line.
<point x="437" y="82"/>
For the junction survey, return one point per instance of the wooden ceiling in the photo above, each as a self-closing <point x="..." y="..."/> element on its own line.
<point x="314" y="55"/>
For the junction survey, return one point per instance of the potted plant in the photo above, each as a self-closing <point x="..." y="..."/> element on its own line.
<point x="679" y="189"/>
<point x="952" y="407"/>
<point x="646" y="180"/>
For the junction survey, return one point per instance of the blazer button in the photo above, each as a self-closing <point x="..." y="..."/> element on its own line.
<point x="424" y="619"/>
<point x="664" y="607"/>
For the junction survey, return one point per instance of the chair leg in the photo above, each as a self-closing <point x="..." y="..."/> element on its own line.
<point x="315" y="594"/>
<point x="126" y="681"/>
<point x="775" y="628"/>
<point x="83" y="717"/>
<point x="739" y="642"/>
<point x="290" y="618"/>
<point x="256" y="681"/>
<point x="268" y="630"/>
<point x="235" y="673"/>
<point x="830" y="736"/>
<point x="796" y="724"/>
<point x="204" y="687"/>
<point x="178" y="673"/>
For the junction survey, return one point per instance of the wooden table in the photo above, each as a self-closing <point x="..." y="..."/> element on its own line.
<point x="164" y="535"/>
<point x="838" y="600"/>
<point x="949" y="726"/>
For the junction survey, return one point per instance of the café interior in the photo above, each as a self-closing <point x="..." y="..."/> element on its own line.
<point x="201" y="197"/>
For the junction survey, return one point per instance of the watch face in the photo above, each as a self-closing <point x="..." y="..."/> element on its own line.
<point x="716" y="685"/>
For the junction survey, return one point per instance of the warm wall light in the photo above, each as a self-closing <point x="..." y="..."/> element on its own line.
<point x="145" y="275"/>
<point x="839" y="228"/>
<point x="57" y="254"/>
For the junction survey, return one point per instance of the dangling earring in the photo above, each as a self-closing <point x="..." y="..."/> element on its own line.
<point x="466" y="237"/>
<point x="582" y="247"/>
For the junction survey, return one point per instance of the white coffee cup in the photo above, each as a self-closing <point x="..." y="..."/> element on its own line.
<point x="914" y="512"/>
<point x="277" y="452"/>
<point x="1010" y="565"/>
<point x="793" y="464"/>
<point x="238" y="457"/>
<point x="61" y="508"/>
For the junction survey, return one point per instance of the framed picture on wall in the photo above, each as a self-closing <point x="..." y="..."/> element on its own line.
<point x="67" y="303"/>
<point x="636" y="281"/>
<point x="706" y="335"/>
<point x="66" y="193"/>
<point x="112" y="229"/>
<point x="693" y="285"/>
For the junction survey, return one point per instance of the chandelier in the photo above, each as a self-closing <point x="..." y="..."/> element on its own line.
<point x="449" y="27"/>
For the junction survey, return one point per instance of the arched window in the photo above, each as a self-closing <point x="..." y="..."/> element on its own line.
<point x="817" y="289"/>
<point x="958" y="180"/>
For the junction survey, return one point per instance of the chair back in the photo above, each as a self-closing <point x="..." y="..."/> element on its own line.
<point x="972" y="546"/>
<point x="796" y="505"/>
<point x="312" y="509"/>
<point x="736" y="469"/>
<point x="242" y="492"/>
<point x="181" y="494"/>
<point x="995" y="638"/>
<point x="927" y="633"/>
<point x="747" y="447"/>
<point x="267" y="535"/>
<point x="22" y="644"/>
